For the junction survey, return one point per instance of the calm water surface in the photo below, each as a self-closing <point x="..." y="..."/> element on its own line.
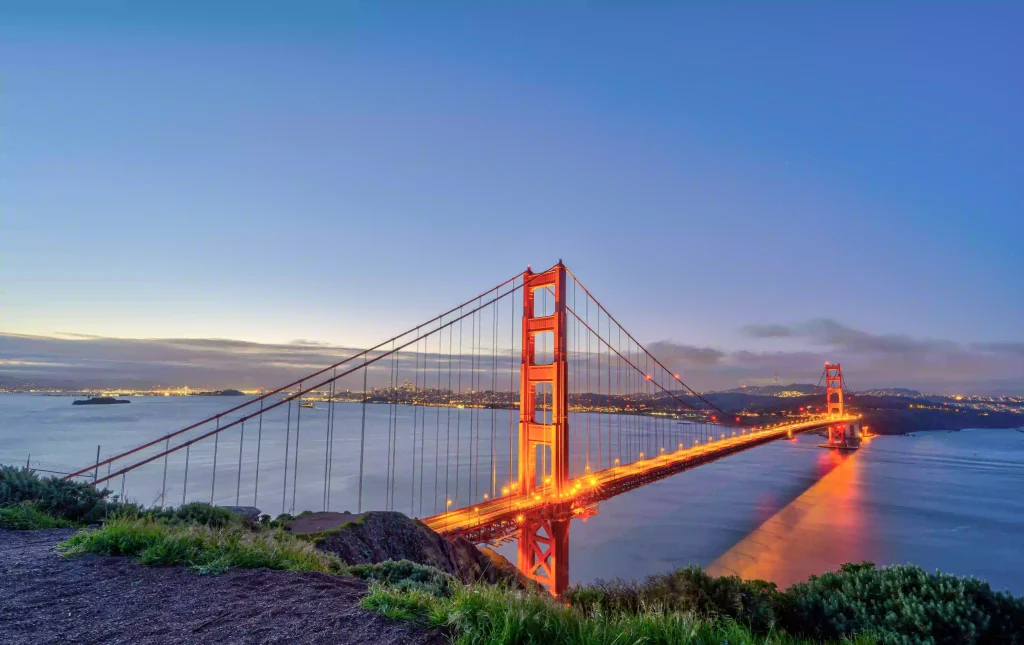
<point x="944" y="500"/>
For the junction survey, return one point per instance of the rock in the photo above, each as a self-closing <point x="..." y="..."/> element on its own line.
<point x="388" y="535"/>
<point x="250" y="514"/>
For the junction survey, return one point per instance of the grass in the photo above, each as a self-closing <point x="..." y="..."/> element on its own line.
<point x="482" y="615"/>
<point x="201" y="548"/>
<point x="26" y="516"/>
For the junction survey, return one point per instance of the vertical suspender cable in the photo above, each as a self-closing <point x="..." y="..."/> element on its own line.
<point x="415" y="426"/>
<point x="437" y="421"/>
<point x="458" y="423"/>
<point x="391" y="407"/>
<point x="586" y="453"/>
<point x="163" y="487"/>
<point x="213" y="482"/>
<point x="287" y="444"/>
<point x="238" y="483"/>
<point x="597" y="326"/>
<point x="330" y="444"/>
<point x="511" y="390"/>
<point x="492" y="403"/>
<point x="184" y="485"/>
<point x="448" y="429"/>
<point x="259" y="445"/>
<point x="362" y="439"/>
<point x="472" y="407"/>
<point x="295" y="469"/>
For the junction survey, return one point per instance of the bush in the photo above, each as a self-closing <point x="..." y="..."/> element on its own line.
<point x="203" y="549"/>
<point x="903" y="604"/>
<point x="404" y="575"/>
<point x="690" y="590"/>
<point x="492" y="615"/>
<point x="26" y="517"/>
<point x="70" y="500"/>
<point x="199" y="513"/>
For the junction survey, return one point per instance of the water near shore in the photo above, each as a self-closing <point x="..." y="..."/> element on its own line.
<point x="943" y="500"/>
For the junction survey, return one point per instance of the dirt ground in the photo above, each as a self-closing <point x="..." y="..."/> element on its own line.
<point x="46" y="599"/>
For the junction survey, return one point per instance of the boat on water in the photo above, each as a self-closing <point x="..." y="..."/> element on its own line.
<point x="307" y="405"/>
<point x="99" y="400"/>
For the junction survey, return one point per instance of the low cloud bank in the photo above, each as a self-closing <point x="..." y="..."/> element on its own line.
<point x="869" y="360"/>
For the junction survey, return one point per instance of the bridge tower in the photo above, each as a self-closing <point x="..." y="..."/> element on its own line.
<point x="834" y="389"/>
<point x="544" y="433"/>
<point x="834" y="404"/>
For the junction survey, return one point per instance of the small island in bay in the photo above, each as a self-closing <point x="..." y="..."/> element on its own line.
<point x="99" y="400"/>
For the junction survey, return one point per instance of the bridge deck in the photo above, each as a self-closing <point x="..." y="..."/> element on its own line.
<point x="499" y="519"/>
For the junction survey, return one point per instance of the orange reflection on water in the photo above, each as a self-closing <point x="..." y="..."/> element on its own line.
<point x="816" y="532"/>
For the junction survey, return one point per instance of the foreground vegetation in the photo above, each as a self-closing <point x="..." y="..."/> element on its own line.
<point x="897" y="604"/>
<point x="26" y="516"/>
<point x="858" y="604"/>
<point x="67" y="501"/>
<point x="201" y="548"/>
<point x="492" y="615"/>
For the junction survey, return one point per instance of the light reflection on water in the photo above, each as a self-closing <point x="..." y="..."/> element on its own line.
<point x="826" y="524"/>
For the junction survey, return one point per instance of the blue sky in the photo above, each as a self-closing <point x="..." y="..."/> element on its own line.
<point x="333" y="173"/>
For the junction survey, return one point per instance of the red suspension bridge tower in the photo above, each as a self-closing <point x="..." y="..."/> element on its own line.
<point x="544" y="431"/>
<point x="834" y="389"/>
<point x="840" y="435"/>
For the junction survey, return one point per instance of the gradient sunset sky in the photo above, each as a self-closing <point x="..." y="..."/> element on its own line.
<point x="722" y="175"/>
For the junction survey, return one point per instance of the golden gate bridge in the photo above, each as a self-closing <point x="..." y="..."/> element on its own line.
<point x="508" y="416"/>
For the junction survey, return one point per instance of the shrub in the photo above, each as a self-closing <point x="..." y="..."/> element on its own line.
<point x="492" y="615"/>
<point x="404" y="575"/>
<point x="203" y="549"/>
<point x="70" y="500"/>
<point x="903" y="604"/>
<point x="25" y="517"/>
<point x="750" y="603"/>
<point x="195" y="513"/>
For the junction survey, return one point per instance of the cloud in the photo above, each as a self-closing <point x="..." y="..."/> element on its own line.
<point x="118" y="362"/>
<point x="212" y="363"/>
<point x="869" y="360"/>
<point x="767" y="331"/>
<point x="877" y="360"/>
<point x="688" y="355"/>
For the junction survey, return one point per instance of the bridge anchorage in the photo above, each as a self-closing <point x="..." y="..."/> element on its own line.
<point x="434" y="422"/>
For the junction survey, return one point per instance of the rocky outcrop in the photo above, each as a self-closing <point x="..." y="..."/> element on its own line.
<point x="388" y="535"/>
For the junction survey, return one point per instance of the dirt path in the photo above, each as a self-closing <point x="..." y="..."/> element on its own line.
<point x="46" y="599"/>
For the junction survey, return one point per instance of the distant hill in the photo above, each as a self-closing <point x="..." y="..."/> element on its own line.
<point x="793" y="389"/>
<point x="892" y="391"/>
<point x="220" y="393"/>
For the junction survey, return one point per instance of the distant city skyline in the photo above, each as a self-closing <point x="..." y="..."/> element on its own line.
<point x="751" y="189"/>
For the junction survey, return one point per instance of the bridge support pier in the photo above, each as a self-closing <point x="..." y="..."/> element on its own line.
<point x="544" y="553"/>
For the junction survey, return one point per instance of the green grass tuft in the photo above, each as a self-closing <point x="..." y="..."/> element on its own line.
<point x="203" y="549"/>
<point x="27" y="517"/>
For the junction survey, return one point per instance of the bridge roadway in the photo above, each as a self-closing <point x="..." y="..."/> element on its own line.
<point x="498" y="520"/>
